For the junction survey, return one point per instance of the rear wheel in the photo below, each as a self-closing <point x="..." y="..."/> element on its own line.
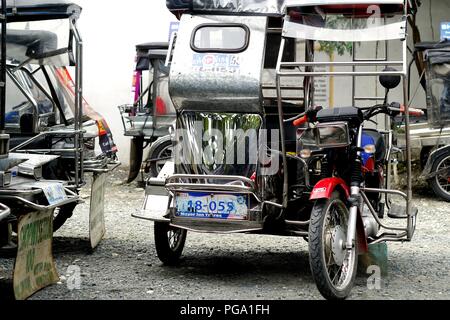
<point x="169" y="243"/>
<point x="333" y="267"/>
<point x="441" y="182"/>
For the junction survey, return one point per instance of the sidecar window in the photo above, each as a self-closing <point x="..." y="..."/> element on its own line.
<point x="231" y="38"/>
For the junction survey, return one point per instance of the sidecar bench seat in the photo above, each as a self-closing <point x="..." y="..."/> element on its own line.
<point x="380" y="144"/>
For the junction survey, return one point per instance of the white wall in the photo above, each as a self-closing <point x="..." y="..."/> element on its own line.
<point x="110" y="31"/>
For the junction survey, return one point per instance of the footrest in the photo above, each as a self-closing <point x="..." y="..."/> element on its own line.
<point x="399" y="212"/>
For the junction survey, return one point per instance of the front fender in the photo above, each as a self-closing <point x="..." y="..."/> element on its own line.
<point x="136" y="154"/>
<point x="324" y="189"/>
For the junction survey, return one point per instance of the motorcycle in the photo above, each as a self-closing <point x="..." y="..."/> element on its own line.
<point x="353" y="162"/>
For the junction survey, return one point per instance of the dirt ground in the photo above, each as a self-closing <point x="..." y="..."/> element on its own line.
<point x="227" y="267"/>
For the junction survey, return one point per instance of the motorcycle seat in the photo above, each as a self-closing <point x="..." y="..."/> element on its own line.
<point x="380" y="144"/>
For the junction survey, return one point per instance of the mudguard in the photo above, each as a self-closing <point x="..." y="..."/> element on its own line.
<point x="324" y="188"/>
<point x="427" y="174"/>
<point x="158" y="143"/>
<point x="136" y="155"/>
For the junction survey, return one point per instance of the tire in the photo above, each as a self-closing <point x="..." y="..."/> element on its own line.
<point x="60" y="217"/>
<point x="441" y="184"/>
<point x="320" y="255"/>
<point x="165" y="150"/>
<point x="169" y="252"/>
<point x="62" y="214"/>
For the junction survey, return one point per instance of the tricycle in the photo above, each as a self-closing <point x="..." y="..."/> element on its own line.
<point x="436" y="136"/>
<point x="47" y="138"/>
<point x="46" y="113"/>
<point x="150" y="118"/>
<point x="254" y="153"/>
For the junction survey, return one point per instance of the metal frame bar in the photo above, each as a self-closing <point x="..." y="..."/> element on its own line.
<point x="377" y="62"/>
<point x="4" y="26"/>
<point x="79" y="156"/>
<point x="27" y="95"/>
<point x="4" y="211"/>
<point x="72" y="197"/>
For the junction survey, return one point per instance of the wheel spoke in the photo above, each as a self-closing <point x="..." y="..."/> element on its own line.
<point x="335" y="227"/>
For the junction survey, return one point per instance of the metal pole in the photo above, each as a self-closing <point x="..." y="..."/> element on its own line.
<point x="79" y="156"/>
<point x="3" y="69"/>
<point x="281" y="119"/>
<point x="408" y="137"/>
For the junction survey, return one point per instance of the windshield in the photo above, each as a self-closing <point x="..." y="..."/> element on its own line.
<point x="349" y="24"/>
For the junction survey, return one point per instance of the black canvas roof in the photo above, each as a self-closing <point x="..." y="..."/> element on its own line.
<point x="150" y="50"/>
<point x="35" y="10"/>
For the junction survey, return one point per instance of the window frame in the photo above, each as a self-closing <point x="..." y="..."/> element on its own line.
<point x="221" y="50"/>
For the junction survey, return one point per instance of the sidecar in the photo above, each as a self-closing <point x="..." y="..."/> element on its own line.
<point x="227" y="143"/>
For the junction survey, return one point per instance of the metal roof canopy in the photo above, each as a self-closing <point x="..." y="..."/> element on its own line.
<point x="35" y="10"/>
<point x="261" y="7"/>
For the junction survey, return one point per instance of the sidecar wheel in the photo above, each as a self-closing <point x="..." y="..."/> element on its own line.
<point x="441" y="183"/>
<point x="333" y="267"/>
<point x="169" y="243"/>
<point x="164" y="152"/>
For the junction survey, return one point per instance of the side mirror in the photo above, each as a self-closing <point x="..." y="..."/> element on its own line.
<point x="390" y="82"/>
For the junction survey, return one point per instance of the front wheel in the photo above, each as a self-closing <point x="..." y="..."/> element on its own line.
<point x="169" y="243"/>
<point x="333" y="267"/>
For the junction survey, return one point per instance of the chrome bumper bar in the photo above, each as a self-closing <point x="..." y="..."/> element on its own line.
<point x="4" y="212"/>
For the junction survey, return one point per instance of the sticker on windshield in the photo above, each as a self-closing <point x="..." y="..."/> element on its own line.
<point x="216" y="63"/>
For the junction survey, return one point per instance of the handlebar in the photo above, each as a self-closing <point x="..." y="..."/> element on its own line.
<point x="392" y="110"/>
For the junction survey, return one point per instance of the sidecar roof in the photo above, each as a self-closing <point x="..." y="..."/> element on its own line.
<point x="266" y="7"/>
<point x="37" y="10"/>
<point x="143" y="51"/>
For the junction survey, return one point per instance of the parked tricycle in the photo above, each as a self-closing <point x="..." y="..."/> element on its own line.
<point x="150" y="118"/>
<point x="253" y="153"/>
<point x="48" y="135"/>
<point x="46" y="113"/>
<point x="437" y="136"/>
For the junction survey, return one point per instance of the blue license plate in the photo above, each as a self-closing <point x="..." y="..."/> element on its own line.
<point x="212" y="206"/>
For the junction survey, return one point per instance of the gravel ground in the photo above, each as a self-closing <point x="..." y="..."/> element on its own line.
<point x="227" y="267"/>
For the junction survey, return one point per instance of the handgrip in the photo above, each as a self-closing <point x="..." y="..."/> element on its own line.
<point x="301" y="121"/>
<point x="412" y="111"/>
